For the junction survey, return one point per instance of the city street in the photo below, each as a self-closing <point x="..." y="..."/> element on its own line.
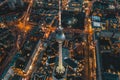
<point x="64" y="39"/>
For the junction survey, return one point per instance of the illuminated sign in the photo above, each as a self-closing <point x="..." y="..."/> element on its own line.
<point x="96" y="18"/>
<point x="96" y="24"/>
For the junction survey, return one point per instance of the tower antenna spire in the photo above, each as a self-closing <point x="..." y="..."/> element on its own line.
<point x="59" y="14"/>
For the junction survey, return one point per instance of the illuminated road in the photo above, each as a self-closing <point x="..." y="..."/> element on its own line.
<point x="90" y="71"/>
<point x="89" y="7"/>
<point x="98" y="61"/>
<point x="32" y="62"/>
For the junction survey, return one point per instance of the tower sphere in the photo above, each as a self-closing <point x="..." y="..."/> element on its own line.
<point x="60" y="36"/>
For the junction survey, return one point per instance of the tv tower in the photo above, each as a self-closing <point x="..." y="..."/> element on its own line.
<point x="60" y="37"/>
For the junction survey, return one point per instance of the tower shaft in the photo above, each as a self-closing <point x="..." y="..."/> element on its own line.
<point x="60" y="55"/>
